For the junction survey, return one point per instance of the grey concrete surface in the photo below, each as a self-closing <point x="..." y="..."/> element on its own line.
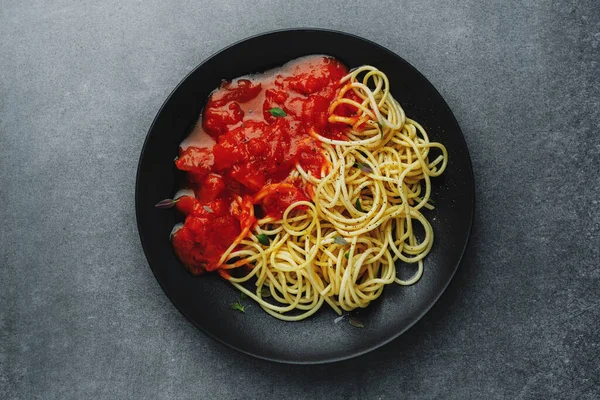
<point x="81" y="315"/>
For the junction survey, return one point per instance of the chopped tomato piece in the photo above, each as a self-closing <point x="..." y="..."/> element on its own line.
<point x="249" y="175"/>
<point x="276" y="198"/>
<point x="216" y="120"/>
<point x="240" y="90"/>
<point x="316" y="76"/>
<point x="196" y="160"/>
<point x="210" y="188"/>
<point x="310" y="156"/>
<point x="187" y="204"/>
<point x="315" y="112"/>
<point x="202" y="240"/>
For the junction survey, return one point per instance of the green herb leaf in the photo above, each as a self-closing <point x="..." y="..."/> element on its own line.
<point x="339" y="240"/>
<point x="208" y="209"/>
<point x="265" y="292"/>
<point x="263" y="239"/>
<point x="356" y="323"/>
<point x="347" y="255"/>
<point x="359" y="206"/>
<point x="238" y="306"/>
<point x="166" y="203"/>
<point x="277" y="112"/>
<point x="243" y="295"/>
<point x="366" y="168"/>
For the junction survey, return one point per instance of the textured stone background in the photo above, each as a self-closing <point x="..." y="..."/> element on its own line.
<point x="81" y="315"/>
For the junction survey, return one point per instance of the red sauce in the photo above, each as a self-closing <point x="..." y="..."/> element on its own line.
<point x="242" y="153"/>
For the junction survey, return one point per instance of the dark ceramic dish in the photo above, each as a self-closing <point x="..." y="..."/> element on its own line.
<point x="205" y="301"/>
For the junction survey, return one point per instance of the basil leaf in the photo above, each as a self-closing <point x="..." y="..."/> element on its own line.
<point x="208" y="209"/>
<point x="347" y="255"/>
<point x="263" y="239"/>
<point x="356" y="323"/>
<point x="166" y="203"/>
<point x="339" y="240"/>
<point x="277" y="112"/>
<point x="359" y="206"/>
<point x="265" y="292"/>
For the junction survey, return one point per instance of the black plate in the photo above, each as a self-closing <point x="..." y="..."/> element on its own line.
<point x="205" y="300"/>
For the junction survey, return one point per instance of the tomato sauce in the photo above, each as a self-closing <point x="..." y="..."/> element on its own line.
<point x="252" y="133"/>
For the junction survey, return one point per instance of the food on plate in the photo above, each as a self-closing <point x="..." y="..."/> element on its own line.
<point x="306" y="185"/>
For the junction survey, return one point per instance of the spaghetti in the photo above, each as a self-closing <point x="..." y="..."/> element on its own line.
<point x="342" y="247"/>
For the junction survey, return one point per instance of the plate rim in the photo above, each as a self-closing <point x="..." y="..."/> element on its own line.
<point x="350" y="354"/>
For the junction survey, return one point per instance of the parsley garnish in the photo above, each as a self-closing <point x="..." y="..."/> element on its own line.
<point x="238" y="306"/>
<point x="263" y="239"/>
